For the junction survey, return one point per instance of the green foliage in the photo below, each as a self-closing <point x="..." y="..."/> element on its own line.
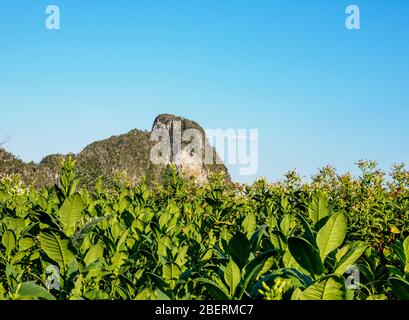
<point x="117" y="161"/>
<point x="30" y="291"/>
<point x="180" y="240"/>
<point x="318" y="208"/>
<point x="56" y="249"/>
<point x="306" y="255"/>
<point x="332" y="234"/>
<point x="330" y="288"/>
<point x="70" y="213"/>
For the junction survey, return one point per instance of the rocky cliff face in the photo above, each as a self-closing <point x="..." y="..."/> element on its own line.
<point x="128" y="155"/>
<point x="188" y="147"/>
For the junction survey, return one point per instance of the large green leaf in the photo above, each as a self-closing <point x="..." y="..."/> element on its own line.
<point x="171" y="271"/>
<point x="146" y="294"/>
<point x="249" y="224"/>
<point x="4" y="196"/>
<point x="251" y="276"/>
<point x="232" y="276"/>
<point x="257" y="236"/>
<point x="400" y="288"/>
<point x="306" y="255"/>
<point x="30" y="290"/>
<point x="406" y="251"/>
<point x="332" y="234"/>
<point x="239" y="248"/>
<point x="122" y="239"/>
<point x="308" y="234"/>
<point x="17" y="225"/>
<point x="278" y="239"/>
<point x="56" y="249"/>
<point x="96" y="295"/>
<point x="347" y="260"/>
<point x="117" y="260"/>
<point x="318" y="208"/>
<point x="71" y="212"/>
<point x="94" y="253"/>
<point x="217" y="291"/>
<point x="182" y="256"/>
<point x="265" y="259"/>
<point x="290" y="262"/>
<point x="86" y="229"/>
<point x="9" y="241"/>
<point x="326" y="289"/>
<point x="124" y="203"/>
<point x="163" y="219"/>
<point x="287" y="224"/>
<point x="25" y="244"/>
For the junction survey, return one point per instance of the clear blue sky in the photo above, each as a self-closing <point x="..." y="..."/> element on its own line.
<point x="319" y="93"/>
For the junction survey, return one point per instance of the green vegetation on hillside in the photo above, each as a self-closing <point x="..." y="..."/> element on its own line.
<point x="126" y="155"/>
<point x="181" y="240"/>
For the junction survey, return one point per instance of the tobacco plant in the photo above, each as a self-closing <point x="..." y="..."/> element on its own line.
<point x="182" y="240"/>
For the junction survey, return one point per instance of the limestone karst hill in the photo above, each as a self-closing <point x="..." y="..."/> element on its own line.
<point x="128" y="155"/>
